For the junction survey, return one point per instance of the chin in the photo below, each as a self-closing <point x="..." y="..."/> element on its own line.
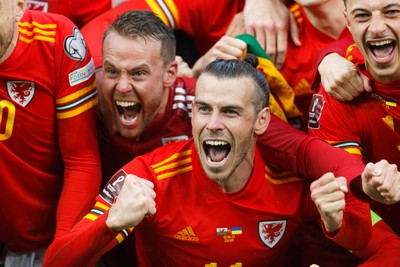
<point x="129" y="133"/>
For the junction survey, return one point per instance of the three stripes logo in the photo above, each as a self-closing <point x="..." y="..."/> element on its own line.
<point x="186" y="234"/>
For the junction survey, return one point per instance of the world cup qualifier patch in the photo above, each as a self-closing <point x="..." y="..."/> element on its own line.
<point x="113" y="187"/>
<point x="315" y="111"/>
<point x="75" y="46"/>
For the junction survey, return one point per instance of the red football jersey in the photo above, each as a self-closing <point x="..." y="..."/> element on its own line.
<point x="196" y="223"/>
<point x="205" y="21"/>
<point x="299" y="68"/>
<point x="79" y="11"/>
<point x="48" y="142"/>
<point x="281" y="145"/>
<point x="368" y="126"/>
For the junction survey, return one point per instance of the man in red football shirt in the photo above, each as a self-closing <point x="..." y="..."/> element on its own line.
<point x="368" y="125"/>
<point x="129" y="88"/>
<point x="50" y="167"/>
<point x="218" y="174"/>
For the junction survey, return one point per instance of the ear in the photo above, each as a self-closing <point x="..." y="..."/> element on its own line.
<point x="193" y="113"/>
<point x="262" y="121"/>
<point x="19" y="9"/>
<point x="171" y="72"/>
<point x="347" y="19"/>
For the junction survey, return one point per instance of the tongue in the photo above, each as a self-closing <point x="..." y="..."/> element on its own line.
<point x="131" y="112"/>
<point x="383" y="51"/>
<point x="217" y="155"/>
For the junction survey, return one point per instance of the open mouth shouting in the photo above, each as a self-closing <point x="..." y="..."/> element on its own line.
<point x="128" y="111"/>
<point x="217" y="152"/>
<point x="382" y="51"/>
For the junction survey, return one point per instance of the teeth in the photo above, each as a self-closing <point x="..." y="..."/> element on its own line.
<point x="379" y="43"/>
<point x="125" y="104"/>
<point x="216" y="143"/>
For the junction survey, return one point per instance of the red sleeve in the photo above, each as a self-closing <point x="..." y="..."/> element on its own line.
<point x="382" y="249"/>
<point x="91" y="237"/>
<point x="356" y="226"/>
<point x="80" y="12"/>
<point x="290" y="149"/>
<point x="339" y="47"/>
<point x="83" y="246"/>
<point x="310" y="157"/>
<point x="76" y="127"/>
<point x="82" y="173"/>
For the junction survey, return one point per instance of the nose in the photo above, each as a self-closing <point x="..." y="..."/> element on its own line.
<point x="377" y="25"/>
<point x="215" y="122"/>
<point x="124" y="85"/>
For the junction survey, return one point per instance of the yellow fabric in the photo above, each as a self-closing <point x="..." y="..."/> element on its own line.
<point x="282" y="95"/>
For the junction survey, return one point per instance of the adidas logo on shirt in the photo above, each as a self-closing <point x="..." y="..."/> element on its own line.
<point x="187" y="234"/>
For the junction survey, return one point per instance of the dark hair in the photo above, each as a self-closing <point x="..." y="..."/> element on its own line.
<point x="247" y="68"/>
<point x="145" y="24"/>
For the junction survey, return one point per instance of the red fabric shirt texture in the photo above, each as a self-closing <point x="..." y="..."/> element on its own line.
<point x="50" y="169"/>
<point x="205" y="21"/>
<point x="79" y="11"/>
<point x="196" y="223"/>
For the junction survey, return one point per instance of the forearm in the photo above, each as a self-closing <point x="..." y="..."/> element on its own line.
<point x="83" y="246"/>
<point x="382" y="249"/>
<point x="356" y="225"/>
<point x="82" y="170"/>
<point x="320" y="157"/>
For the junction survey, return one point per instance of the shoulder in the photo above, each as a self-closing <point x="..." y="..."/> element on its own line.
<point x="40" y="17"/>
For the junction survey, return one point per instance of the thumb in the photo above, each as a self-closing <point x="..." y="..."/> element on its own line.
<point x="342" y="184"/>
<point x="367" y="83"/>
<point x="370" y="171"/>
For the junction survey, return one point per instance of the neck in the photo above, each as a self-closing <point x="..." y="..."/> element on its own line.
<point x="239" y="178"/>
<point x="161" y="111"/>
<point x="10" y="46"/>
<point x="327" y="17"/>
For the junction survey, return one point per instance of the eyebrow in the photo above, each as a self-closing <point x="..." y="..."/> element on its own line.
<point x="141" y="66"/>
<point x="106" y="62"/>
<point x="202" y="103"/>
<point x="383" y="8"/>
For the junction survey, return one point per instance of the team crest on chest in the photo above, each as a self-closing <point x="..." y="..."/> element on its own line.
<point x="21" y="92"/>
<point x="271" y="232"/>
